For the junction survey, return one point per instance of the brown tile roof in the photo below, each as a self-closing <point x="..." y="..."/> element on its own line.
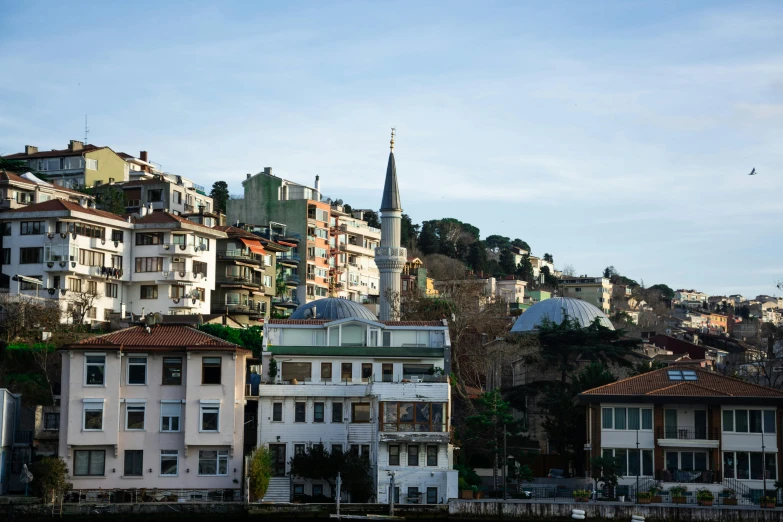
<point x="166" y="217"/>
<point x="162" y="337"/>
<point x="657" y="383"/>
<point x="324" y="321"/>
<point x="233" y="231"/>
<point x="55" y="205"/>
<point x="7" y="175"/>
<point x="55" y="153"/>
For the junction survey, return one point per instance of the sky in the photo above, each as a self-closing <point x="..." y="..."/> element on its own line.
<point x="604" y="133"/>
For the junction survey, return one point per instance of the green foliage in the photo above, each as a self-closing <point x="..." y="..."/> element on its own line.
<point x="704" y="494"/>
<point x="664" y="290"/>
<point x="521" y="244"/>
<point x="111" y="199"/>
<point x="462" y="484"/>
<point x="219" y="195"/>
<point x="496" y="242"/>
<point x="477" y="256"/>
<point x="485" y="429"/>
<point x="525" y="474"/>
<point x="467" y="474"/>
<point x="249" y="338"/>
<point x="259" y="471"/>
<point x="272" y="370"/>
<point x="409" y="232"/>
<point x="606" y="470"/>
<point x="524" y="269"/>
<point x="372" y="219"/>
<point x="581" y="493"/>
<point x="428" y="238"/>
<point x="678" y="491"/>
<point x="644" y="494"/>
<point x="506" y="261"/>
<point x="549" y="258"/>
<point x="49" y="478"/>
<point x="17" y="166"/>
<point x="645" y="367"/>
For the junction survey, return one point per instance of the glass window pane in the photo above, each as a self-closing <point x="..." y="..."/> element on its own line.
<point x="81" y="462"/>
<point x="607" y="423"/>
<point x="756" y="466"/>
<point x="438" y="420"/>
<point x="700" y="461"/>
<point x="619" y="418"/>
<point x="96" y="462"/>
<point x="728" y="464"/>
<point x="633" y="419"/>
<point x="728" y="420"/>
<point x="423" y="412"/>
<point x="741" y="421"/>
<point x="406" y="412"/>
<point x="755" y="421"/>
<point x="671" y="461"/>
<point x="390" y="412"/>
<point x="647" y="463"/>
<point x="771" y="466"/>
<point x="686" y="460"/>
<point x="633" y="462"/>
<point x="622" y="459"/>
<point x="769" y="421"/>
<point x="647" y="419"/>
<point x="743" y="465"/>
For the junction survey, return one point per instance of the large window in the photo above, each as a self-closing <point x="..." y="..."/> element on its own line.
<point x="169" y="463"/>
<point x="749" y="421"/>
<point x="277" y="412"/>
<point x="28" y="228"/>
<point x="93" y="415"/>
<point x="413" y="416"/>
<point x="137" y="370"/>
<point x="51" y="421"/>
<point x="630" y="419"/>
<point x="346" y="372"/>
<point x="301" y="371"/>
<point x="170" y="414"/>
<point x="337" y="411"/>
<point x="632" y="461"/>
<point x="172" y="370"/>
<point x="213" y="462"/>
<point x="134" y="416"/>
<point x="299" y="412"/>
<point x="432" y="455"/>
<point x="110" y="289"/>
<point x="210" y="370"/>
<point x="149" y="264"/>
<point x="360" y="412"/>
<point x="91" y="258"/>
<point x="210" y="417"/>
<point x="413" y="455"/>
<point x="134" y="463"/>
<point x="31" y="255"/>
<point x="89" y="463"/>
<point x="149" y="292"/>
<point x="749" y="465"/>
<point x="94" y="370"/>
<point x="326" y="371"/>
<point x="149" y="238"/>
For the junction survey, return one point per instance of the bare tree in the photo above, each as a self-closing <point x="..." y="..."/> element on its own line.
<point x="50" y="363"/>
<point x="80" y="302"/>
<point x="569" y="270"/>
<point x="443" y="268"/>
<point x="22" y="314"/>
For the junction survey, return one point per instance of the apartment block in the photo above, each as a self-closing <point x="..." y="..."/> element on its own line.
<point x="595" y="290"/>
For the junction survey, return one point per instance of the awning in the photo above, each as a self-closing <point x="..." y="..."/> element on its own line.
<point x="286" y="243"/>
<point x="254" y="245"/>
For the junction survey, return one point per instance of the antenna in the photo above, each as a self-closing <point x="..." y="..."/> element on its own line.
<point x="86" y="129"/>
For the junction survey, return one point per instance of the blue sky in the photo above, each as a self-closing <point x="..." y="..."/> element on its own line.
<point x="605" y="133"/>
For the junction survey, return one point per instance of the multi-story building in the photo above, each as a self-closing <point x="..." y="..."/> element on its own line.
<point x="595" y="290"/>
<point x="247" y="275"/>
<point x="354" y="274"/>
<point x="687" y="426"/>
<point x="158" y="407"/>
<point x="20" y="190"/>
<point x="79" y="165"/>
<point x="178" y="196"/>
<point x="91" y="261"/>
<point x="355" y="384"/>
<point x="690" y="298"/>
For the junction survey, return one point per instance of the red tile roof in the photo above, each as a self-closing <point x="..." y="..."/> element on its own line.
<point x="707" y="384"/>
<point x="7" y="175"/>
<point x="167" y="217"/>
<point x="233" y="231"/>
<point x="58" y="205"/>
<point x="162" y="337"/>
<point x="55" y="153"/>
<point x="324" y="321"/>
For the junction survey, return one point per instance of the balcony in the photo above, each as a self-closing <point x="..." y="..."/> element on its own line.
<point x="240" y="255"/>
<point x="189" y="207"/>
<point x="180" y="276"/>
<point x="356" y="249"/>
<point x="361" y="229"/>
<point x="285" y="302"/>
<point x="23" y="437"/>
<point x="239" y="280"/>
<point x="683" y="476"/>
<point x="250" y="308"/>
<point x="687" y="436"/>
<point x="289" y="259"/>
<point x="178" y="249"/>
<point x="291" y="279"/>
<point x="97" y="243"/>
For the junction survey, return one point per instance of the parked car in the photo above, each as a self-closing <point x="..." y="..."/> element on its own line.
<point x="556" y="474"/>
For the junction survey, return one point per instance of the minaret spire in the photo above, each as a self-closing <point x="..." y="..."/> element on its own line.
<point x="390" y="257"/>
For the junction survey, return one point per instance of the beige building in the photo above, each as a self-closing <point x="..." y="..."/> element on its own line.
<point x="154" y="407"/>
<point x="595" y="290"/>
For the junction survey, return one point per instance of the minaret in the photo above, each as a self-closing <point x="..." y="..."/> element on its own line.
<point x="390" y="257"/>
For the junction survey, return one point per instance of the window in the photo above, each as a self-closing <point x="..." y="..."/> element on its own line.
<point x="268" y="281"/>
<point x="94" y="370"/>
<point x="149" y="292"/>
<point x="203" y="243"/>
<point x="619" y="418"/>
<point x="177" y="197"/>
<point x="413" y="455"/>
<point x="170" y="413"/>
<point x="29" y="228"/>
<point x="134" y="416"/>
<point x="93" y="415"/>
<point x="91" y="164"/>
<point x="118" y="236"/>
<point x="298" y="490"/>
<point x="360" y="412"/>
<point x="200" y="267"/>
<point x="134" y="463"/>
<point x="91" y="258"/>
<point x="299" y="449"/>
<point x="277" y="412"/>
<point x="210" y="370"/>
<point x="337" y="411"/>
<point x="169" y="460"/>
<point x="154" y="195"/>
<point x="172" y="370"/>
<point x="51" y="421"/>
<point x="366" y="372"/>
<point x="299" y="412"/>
<point x="432" y="455"/>
<point x="728" y="420"/>
<point x="682" y="375"/>
<point x="213" y="462"/>
<point x="647" y="419"/>
<point x="753" y="465"/>
<point x="137" y="370"/>
<point x="301" y="371"/>
<point x="6" y="256"/>
<point x="741" y="421"/>
<point x="6" y="228"/>
<point x="89" y="463"/>
<point x="74" y="285"/>
<point x="413" y="416"/>
<point x="318" y="412"/>
<point x="318" y="490"/>
<point x="394" y="455"/>
<point x="630" y="419"/>
<point x="432" y="495"/>
<point x="29" y="285"/>
<point x="326" y="371"/>
<point x="111" y="290"/>
<point x="116" y="261"/>
<point x="149" y="238"/>
<point x="149" y="264"/>
<point x="387" y="371"/>
<point x="210" y="417"/>
<point x="346" y="372"/>
<point x="29" y="256"/>
<point x="769" y="421"/>
<point x="337" y="449"/>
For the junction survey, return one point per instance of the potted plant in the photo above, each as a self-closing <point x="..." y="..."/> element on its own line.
<point x="476" y="493"/>
<point x="678" y="494"/>
<point x="465" y="491"/>
<point x="729" y="497"/>
<point x="705" y="497"/>
<point x="581" y="495"/>
<point x="767" y="502"/>
<point x="643" y="497"/>
<point x="655" y="495"/>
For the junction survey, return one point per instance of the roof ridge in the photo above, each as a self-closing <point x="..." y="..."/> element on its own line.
<point x="689" y="383"/>
<point x="646" y="374"/>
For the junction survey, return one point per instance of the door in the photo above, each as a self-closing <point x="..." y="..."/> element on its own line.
<point x="277" y="452"/>
<point x="388" y="372"/>
<point x="700" y="424"/>
<point x="670" y="424"/>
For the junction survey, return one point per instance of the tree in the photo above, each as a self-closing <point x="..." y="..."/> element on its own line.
<point x="17" y="166"/>
<point x="219" y="195"/>
<point x="550" y="281"/>
<point x="521" y="244"/>
<point x="317" y="463"/>
<point x="507" y="265"/>
<point x="664" y="291"/>
<point x="646" y="367"/>
<point x="744" y="312"/>
<point x="80" y="302"/>
<point x="371" y="217"/>
<point x="606" y="470"/>
<point x="428" y="238"/>
<point x="497" y="243"/>
<point x="408" y="232"/>
<point x="524" y="269"/>
<point x="50" y="364"/>
<point x="477" y="256"/>
<point x="259" y="471"/>
<point x="50" y="478"/>
<point x="569" y="270"/>
<point x="20" y="314"/>
<point x="610" y="271"/>
<point x="111" y="199"/>
<point x="548" y="258"/>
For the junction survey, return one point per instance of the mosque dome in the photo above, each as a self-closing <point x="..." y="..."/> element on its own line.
<point x="331" y="309"/>
<point x="556" y="309"/>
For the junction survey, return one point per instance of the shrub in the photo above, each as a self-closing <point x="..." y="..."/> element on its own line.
<point x="462" y="484"/>
<point x="49" y="478"/>
<point x="581" y="493"/>
<point x="643" y="494"/>
<point x="704" y="494"/>
<point x="771" y="500"/>
<point x="259" y="472"/>
<point x="678" y="491"/>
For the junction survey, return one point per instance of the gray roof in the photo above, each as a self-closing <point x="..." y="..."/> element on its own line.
<point x="556" y="310"/>
<point x="391" y="194"/>
<point x="331" y="309"/>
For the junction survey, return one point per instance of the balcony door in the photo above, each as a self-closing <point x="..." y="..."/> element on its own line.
<point x="670" y="424"/>
<point x="700" y="424"/>
<point x="277" y="452"/>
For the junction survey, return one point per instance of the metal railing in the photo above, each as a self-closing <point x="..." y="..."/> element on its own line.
<point x="23" y="437"/>
<point x="239" y="254"/>
<point x="687" y="433"/>
<point x="288" y="256"/>
<point x="292" y="278"/>
<point x="142" y="495"/>
<point x="681" y="476"/>
<point x="239" y="280"/>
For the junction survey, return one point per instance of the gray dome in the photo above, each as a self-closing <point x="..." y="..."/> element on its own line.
<point x="556" y="309"/>
<point x="331" y="309"/>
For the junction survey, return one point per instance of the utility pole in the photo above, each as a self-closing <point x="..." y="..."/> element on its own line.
<point x="505" y="461"/>
<point x="391" y="494"/>
<point x="338" y="484"/>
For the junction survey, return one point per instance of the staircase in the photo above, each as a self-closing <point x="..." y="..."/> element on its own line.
<point x="279" y="490"/>
<point x="744" y="494"/>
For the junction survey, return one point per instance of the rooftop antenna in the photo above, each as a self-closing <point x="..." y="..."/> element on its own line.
<point x="86" y="129"/>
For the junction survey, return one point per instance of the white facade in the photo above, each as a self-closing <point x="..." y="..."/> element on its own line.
<point x="9" y="413"/>
<point x="344" y="383"/>
<point x="359" y="279"/>
<point x="160" y="416"/>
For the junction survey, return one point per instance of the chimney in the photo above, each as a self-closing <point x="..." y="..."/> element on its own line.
<point x="318" y="184"/>
<point x="75" y="145"/>
<point x="30" y="149"/>
<point x="268" y="171"/>
<point x="248" y="176"/>
<point x="143" y="155"/>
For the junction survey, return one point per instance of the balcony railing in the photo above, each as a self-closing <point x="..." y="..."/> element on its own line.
<point x="238" y="280"/>
<point x="287" y="301"/>
<point x="292" y="278"/>
<point x="687" y="433"/>
<point x="23" y="437"/>
<point x="239" y="254"/>
<point x="289" y="256"/>
<point x="683" y="476"/>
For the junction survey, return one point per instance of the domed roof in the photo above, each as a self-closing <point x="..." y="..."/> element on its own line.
<point x="331" y="309"/>
<point x="556" y="309"/>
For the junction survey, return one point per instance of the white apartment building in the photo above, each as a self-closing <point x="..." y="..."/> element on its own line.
<point x="355" y="384"/>
<point x="154" y="408"/>
<point x="66" y="252"/>
<point x="690" y="298"/>
<point x="356" y="277"/>
<point x="595" y="290"/>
